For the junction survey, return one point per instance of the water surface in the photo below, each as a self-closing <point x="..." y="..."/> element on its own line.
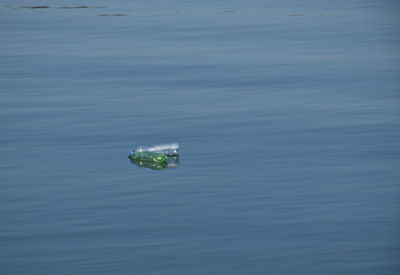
<point x="287" y="114"/>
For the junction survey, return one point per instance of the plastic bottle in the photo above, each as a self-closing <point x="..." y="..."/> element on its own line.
<point x="170" y="149"/>
<point x="149" y="156"/>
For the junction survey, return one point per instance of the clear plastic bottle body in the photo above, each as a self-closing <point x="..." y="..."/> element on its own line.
<point x="170" y="149"/>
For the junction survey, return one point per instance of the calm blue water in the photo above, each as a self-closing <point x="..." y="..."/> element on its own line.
<point x="287" y="114"/>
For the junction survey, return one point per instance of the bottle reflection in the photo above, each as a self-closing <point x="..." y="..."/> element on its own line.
<point x="173" y="162"/>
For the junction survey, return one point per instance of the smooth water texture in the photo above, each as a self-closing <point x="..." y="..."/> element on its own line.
<point x="287" y="114"/>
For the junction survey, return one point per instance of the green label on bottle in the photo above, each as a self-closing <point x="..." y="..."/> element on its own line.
<point x="149" y="156"/>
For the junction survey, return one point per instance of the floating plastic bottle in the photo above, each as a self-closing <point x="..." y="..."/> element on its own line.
<point x="149" y="156"/>
<point x="170" y="149"/>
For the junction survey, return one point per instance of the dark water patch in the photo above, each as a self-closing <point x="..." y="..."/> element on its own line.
<point x="63" y="7"/>
<point x="35" y="7"/>
<point x="78" y="7"/>
<point x="229" y="11"/>
<point x="113" y="14"/>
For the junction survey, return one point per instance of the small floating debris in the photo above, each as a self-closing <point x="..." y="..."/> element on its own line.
<point x="113" y="14"/>
<point x="229" y="11"/>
